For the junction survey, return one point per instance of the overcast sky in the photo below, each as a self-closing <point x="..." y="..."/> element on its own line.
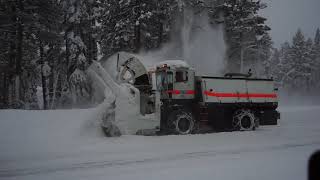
<point x="286" y="16"/>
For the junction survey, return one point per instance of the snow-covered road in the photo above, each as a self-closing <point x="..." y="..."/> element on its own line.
<point x="65" y="144"/>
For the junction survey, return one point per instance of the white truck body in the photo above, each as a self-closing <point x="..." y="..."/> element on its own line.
<point x="238" y="90"/>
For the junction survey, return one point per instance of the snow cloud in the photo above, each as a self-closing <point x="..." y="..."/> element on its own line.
<point x="198" y="42"/>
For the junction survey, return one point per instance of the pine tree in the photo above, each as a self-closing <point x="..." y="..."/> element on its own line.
<point x="117" y="27"/>
<point x="134" y="25"/>
<point x="285" y="66"/>
<point x="29" y="21"/>
<point x="7" y="50"/>
<point x="316" y="47"/>
<point x="243" y="27"/>
<point x="317" y="37"/>
<point x="301" y="61"/>
<point x="295" y="67"/>
<point x="264" y="53"/>
<point x="13" y="17"/>
<point x="49" y="41"/>
<point x="156" y="29"/>
<point x="309" y="64"/>
<point x="316" y="60"/>
<point x="275" y="66"/>
<point x="79" y="47"/>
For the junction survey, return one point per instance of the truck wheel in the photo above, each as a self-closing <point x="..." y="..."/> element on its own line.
<point x="244" y="120"/>
<point x="181" y="122"/>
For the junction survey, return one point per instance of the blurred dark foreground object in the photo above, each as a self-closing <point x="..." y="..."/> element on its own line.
<point x="314" y="167"/>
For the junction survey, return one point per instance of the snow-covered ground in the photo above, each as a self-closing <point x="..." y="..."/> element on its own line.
<point x="67" y="144"/>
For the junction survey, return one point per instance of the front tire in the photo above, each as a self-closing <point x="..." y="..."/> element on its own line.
<point x="181" y="122"/>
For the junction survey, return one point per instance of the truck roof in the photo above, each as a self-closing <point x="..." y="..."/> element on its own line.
<point x="174" y="64"/>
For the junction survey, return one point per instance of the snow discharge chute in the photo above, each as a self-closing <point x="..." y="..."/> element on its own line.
<point x="127" y="68"/>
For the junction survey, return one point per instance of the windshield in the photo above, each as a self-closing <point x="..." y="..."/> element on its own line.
<point x="164" y="80"/>
<point x="161" y="80"/>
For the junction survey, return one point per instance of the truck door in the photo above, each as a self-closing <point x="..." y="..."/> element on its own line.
<point x="183" y="84"/>
<point x="170" y="83"/>
<point x="164" y="84"/>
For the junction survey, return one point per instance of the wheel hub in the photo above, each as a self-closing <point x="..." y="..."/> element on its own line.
<point x="183" y="125"/>
<point x="246" y="122"/>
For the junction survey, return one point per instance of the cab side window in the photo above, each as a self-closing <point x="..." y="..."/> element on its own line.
<point x="181" y="76"/>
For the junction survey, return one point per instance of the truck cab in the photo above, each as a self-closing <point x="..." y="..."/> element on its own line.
<point x="175" y="81"/>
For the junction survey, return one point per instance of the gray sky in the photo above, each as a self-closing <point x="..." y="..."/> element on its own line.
<point x="286" y="16"/>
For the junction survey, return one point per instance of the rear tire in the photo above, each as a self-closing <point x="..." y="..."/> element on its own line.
<point x="244" y="120"/>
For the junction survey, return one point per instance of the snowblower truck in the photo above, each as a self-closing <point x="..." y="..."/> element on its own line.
<point x="183" y="102"/>
<point x="201" y="104"/>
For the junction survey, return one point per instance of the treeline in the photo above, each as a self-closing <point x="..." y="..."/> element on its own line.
<point x="296" y="64"/>
<point x="48" y="44"/>
<point x="45" y="46"/>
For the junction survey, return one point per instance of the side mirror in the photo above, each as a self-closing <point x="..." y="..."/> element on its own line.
<point x="276" y="89"/>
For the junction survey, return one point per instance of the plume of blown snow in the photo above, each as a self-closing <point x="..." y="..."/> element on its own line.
<point x="199" y="43"/>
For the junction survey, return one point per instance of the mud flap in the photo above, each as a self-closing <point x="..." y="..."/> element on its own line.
<point x="269" y="117"/>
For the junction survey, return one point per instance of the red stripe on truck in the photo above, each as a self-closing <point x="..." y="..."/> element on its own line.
<point x="173" y="92"/>
<point x="177" y="92"/>
<point x="241" y="95"/>
<point x="190" y="92"/>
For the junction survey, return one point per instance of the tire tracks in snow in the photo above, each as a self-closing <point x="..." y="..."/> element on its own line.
<point x="6" y="173"/>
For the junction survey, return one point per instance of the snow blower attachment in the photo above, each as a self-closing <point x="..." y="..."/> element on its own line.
<point x="129" y="68"/>
<point x="123" y="81"/>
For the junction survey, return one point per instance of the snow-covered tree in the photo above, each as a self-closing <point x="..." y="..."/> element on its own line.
<point x="296" y="64"/>
<point x="285" y="66"/>
<point x="28" y="22"/>
<point x="275" y="66"/>
<point x="315" y="53"/>
<point x="157" y="28"/>
<point x="133" y="25"/>
<point x="244" y="25"/>
<point x="79" y="87"/>
<point x="80" y="33"/>
<point x="264" y="63"/>
<point x="301" y="61"/>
